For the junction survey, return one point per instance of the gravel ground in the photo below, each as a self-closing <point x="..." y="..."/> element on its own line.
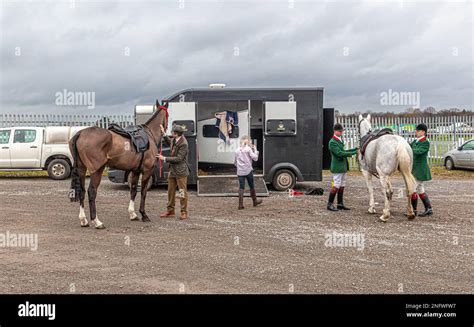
<point x="280" y="247"/>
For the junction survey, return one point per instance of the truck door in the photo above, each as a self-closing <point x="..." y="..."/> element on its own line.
<point x="5" y="148"/>
<point x="25" y="150"/>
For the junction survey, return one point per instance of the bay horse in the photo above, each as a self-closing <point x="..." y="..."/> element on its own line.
<point x="382" y="158"/>
<point x="94" y="148"/>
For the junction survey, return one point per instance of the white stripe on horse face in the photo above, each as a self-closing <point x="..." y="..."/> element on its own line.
<point x="131" y="210"/>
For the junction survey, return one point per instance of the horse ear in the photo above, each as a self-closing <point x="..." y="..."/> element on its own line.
<point x="360" y="117"/>
<point x="368" y="117"/>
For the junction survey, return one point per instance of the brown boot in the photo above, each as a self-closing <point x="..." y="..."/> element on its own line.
<point x="184" y="215"/>
<point x="241" y="199"/>
<point x="168" y="214"/>
<point x="253" y="194"/>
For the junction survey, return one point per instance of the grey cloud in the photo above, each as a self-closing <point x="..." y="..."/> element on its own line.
<point x="82" y="49"/>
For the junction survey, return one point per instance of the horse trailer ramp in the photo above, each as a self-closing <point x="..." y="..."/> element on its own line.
<point x="228" y="186"/>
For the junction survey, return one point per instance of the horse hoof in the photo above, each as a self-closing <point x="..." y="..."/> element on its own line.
<point x="411" y="217"/>
<point x="100" y="227"/>
<point x="371" y="210"/>
<point x="135" y="218"/>
<point x="383" y="219"/>
<point x="146" y="220"/>
<point x="87" y="225"/>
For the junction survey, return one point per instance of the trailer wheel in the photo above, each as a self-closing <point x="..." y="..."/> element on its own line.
<point x="139" y="186"/>
<point x="283" y="180"/>
<point x="59" y="169"/>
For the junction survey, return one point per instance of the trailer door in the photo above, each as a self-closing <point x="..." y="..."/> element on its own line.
<point x="280" y="118"/>
<point x="184" y="114"/>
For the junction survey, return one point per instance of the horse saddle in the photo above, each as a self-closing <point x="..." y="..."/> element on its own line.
<point x="135" y="133"/>
<point x="372" y="135"/>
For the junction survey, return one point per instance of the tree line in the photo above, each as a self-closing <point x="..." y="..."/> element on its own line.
<point x="412" y="112"/>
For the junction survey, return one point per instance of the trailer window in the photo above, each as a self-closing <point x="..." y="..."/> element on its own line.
<point x="4" y="136"/>
<point x="188" y="126"/>
<point x="213" y="131"/>
<point x="281" y="126"/>
<point x="24" y="136"/>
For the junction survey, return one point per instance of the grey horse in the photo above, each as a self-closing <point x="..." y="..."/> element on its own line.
<point x="383" y="157"/>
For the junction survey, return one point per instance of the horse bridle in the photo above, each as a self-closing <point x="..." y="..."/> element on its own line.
<point x="358" y="127"/>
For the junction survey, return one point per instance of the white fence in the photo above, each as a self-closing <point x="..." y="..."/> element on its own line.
<point x="43" y="120"/>
<point x="445" y="133"/>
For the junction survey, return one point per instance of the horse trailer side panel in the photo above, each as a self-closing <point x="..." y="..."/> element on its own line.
<point x="304" y="150"/>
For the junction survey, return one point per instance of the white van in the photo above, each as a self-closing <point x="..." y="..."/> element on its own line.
<point x="37" y="148"/>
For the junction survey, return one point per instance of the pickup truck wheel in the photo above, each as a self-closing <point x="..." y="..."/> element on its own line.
<point x="59" y="169"/>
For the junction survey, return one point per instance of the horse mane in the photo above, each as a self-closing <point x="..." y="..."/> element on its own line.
<point x="155" y="114"/>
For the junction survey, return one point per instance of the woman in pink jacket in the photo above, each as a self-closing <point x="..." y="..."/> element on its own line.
<point x="244" y="155"/>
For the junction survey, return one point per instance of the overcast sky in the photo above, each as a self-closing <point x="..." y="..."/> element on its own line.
<point x="131" y="53"/>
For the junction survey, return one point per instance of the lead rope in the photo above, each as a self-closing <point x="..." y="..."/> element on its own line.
<point x="161" y="161"/>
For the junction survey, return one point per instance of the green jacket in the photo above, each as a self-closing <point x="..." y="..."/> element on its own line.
<point x="339" y="163"/>
<point x="421" y="170"/>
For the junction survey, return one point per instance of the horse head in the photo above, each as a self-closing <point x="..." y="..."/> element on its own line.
<point x="160" y="117"/>
<point x="365" y="125"/>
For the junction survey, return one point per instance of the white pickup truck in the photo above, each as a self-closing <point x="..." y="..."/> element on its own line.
<point x="37" y="148"/>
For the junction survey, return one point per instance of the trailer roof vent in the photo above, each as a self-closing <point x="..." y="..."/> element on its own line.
<point x="216" y="86"/>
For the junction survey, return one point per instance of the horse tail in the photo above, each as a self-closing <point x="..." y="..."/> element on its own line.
<point x="76" y="190"/>
<point x="405" y="164"/>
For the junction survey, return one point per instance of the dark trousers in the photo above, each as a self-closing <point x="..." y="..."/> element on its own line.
<point x="249" y="179"/>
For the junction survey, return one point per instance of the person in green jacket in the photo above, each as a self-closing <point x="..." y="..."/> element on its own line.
<point x="421" y="170"/>
<point x="339" y="168"/>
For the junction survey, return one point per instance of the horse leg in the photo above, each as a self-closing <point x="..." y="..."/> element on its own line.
<point x="133" y="193"/>
<point x="82" y="214"/>
<point x="385" y="181"/>
<point x="389" y="189"/>
<point x="370" y="187"/>
<point x="410" y="187"/>
<point x="146" y="175"/>
<point x="92" y="193"/>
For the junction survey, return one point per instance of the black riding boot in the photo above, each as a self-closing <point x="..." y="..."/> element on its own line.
<point x="414" y="204"/>
<point x="427" y="204"/>
<point x="340" y="199"/>
<point x="253" y="194"/>
<point x="332" y="196"/>
<point x="241" y="199"/>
